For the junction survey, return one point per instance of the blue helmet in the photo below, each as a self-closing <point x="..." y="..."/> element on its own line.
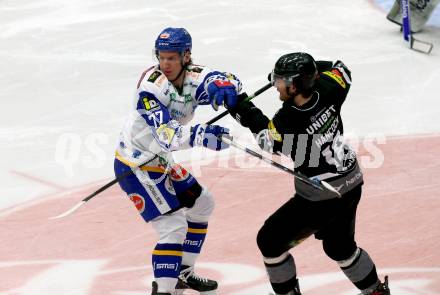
<point x="173" y="39"/>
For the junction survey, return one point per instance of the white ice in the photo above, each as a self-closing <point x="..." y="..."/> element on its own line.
<point x="69" y="69"/>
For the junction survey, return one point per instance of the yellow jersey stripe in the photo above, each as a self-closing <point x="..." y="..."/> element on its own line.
<point x="126" y="162"/>
<point x="335" y="77"/>
<point x="167" y="252"/>
<point x="198" y="230"/>
<point x="134" y="165"/>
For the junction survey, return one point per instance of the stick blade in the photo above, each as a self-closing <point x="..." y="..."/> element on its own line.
<point x="68" y="212"/>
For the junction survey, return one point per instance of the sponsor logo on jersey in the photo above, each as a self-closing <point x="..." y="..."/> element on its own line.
<point x="163" y="162"/>
<point x="160" y="81"/>
<point x="319" y="122"/>
<point x="153" y="77"/>
<point x="178" y="173"/>
<point x="138" y="201"/>
<point x="187" y="98"/>
<point x="195" y="70"/>
<point x="336" y="75"/>
<point x="329" y="134"/>
<point x="150" y="104"/>
<point x="154" y="194"/>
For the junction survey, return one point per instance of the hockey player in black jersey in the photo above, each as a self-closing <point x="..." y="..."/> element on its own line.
<point x="308" y="127"/>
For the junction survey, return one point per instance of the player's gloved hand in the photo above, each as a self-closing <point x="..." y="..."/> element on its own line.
<point x="240" y="98"/>
<point x="208" y="136"/>
<point x="265" y="141"/>
<point x="222" y="91"/>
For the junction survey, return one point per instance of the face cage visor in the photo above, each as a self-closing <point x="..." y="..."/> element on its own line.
<point x="288" y="80"/>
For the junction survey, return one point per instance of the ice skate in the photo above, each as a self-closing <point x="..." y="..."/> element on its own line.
<point x="154" y="290"/>
<point x="295" y="291"/>
<point x="382" y="289"/>
<point x="189" y="280"/>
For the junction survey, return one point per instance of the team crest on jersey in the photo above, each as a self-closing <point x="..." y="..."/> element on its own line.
<point x="336" y="75"/>
<point x="138" y="201"/>
<point x="165" y="133"/>
<point x="153" y="77"/>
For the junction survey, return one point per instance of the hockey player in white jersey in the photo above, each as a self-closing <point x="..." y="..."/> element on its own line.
<point x="166" y="194"/>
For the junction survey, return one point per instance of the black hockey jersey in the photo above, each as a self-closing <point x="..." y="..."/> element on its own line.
<point x="312" y="133"/>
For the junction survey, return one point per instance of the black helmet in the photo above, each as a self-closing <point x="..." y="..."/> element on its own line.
<point x="298" y="67"/>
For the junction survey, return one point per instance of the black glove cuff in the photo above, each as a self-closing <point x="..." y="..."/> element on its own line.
<point x="243" y="112"/>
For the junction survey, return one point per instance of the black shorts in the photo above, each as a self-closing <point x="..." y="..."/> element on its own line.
<point x="299" y="218"/>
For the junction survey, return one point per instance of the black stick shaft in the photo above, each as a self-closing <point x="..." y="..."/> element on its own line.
<point x="117" y="179"/>
<point x="321" y="185"/>
<point x="258" y="92"/>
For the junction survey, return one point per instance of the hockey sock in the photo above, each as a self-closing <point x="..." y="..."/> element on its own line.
<point x="361" y="271"/>
<point x="282" y="273"/>
<point x="195" y="238"/>
<point x="167" y="260"/>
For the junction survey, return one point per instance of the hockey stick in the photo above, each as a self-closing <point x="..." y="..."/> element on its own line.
<point x="415" y="44"/>
<point x="124" y="175"/>
<point x="258" y="92"/>
<point x="316" y="183"/>
<point x="101" y="189"/>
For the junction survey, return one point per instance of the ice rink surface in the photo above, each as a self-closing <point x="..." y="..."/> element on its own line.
<point x="68" y="74"/>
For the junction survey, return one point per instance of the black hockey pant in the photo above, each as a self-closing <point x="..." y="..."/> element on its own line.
<point x="332" y="221"/>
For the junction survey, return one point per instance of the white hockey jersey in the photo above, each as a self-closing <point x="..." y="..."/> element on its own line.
<point x="156" y="124"/>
